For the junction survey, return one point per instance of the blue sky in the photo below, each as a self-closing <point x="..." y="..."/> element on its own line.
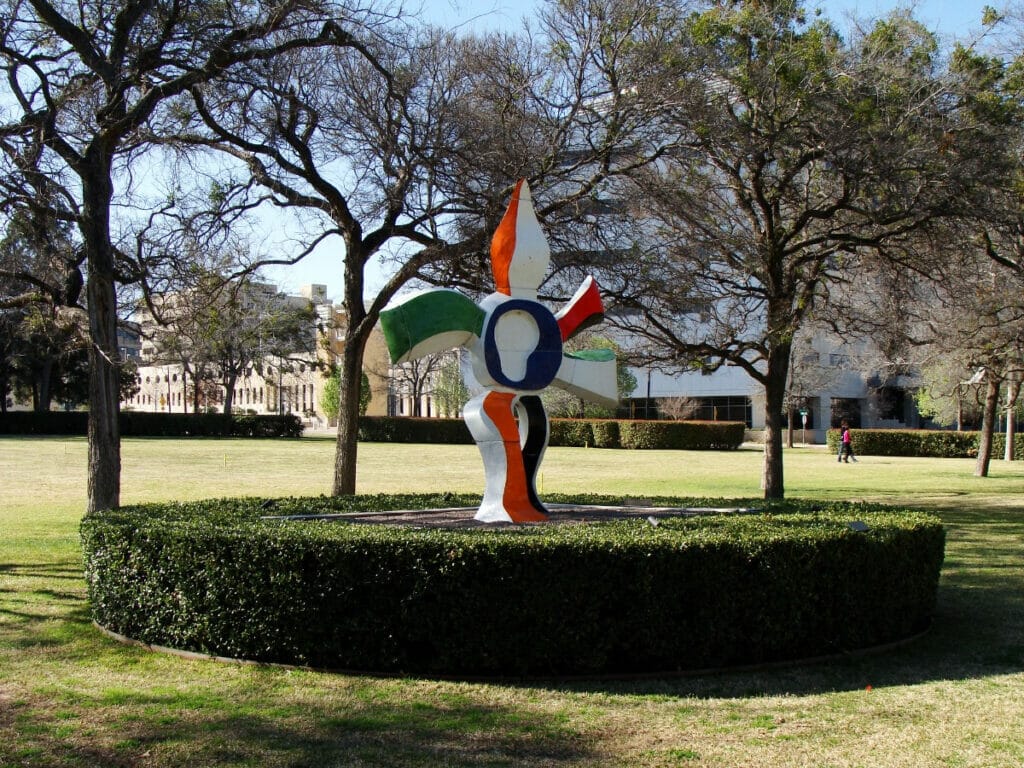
<point x="947" y="18"/>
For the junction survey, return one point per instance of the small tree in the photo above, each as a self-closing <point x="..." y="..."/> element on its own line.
<point x="680" y="408"/>
<point x="945" y="396"/>
<point x="85" y="87"/>
<point x="416" y="378"/>
<point x="405" y="150"/>
<point x="450" y="390"/>
<point x="330" y="395"/>
<point x="50" y="358"/>
<point x="221" y="329"/>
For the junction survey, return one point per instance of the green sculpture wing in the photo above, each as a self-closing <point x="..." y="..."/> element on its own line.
<point x="430" y="322"/>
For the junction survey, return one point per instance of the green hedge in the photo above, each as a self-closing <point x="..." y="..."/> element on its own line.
<point x="690" y="435"/>
<point x="410" y="429"/>
<point x="920" y="442"/>
<point x="620" y="596"/>
<point x="606" y="433"/>
<point x="44" y="423"/>
<point x="143" y="424"/>
<point x="573" y="433"/>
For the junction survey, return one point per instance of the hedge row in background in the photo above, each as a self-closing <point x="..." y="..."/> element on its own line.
<point x="575" y="433"/>
<point x="597" y="433"/>
<point x="142" y="424"/>
<point x="622" y="596"/>
<point x="920" y="442"/>
<point x="407" y="429"/>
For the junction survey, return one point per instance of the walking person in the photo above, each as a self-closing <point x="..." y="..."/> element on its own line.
<point x="845" y="443"/>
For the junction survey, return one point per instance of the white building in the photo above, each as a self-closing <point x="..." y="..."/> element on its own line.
<point x="831" y="380"/>
<point x="289" y="383"/>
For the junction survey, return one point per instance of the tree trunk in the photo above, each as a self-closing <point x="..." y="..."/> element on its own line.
<point x="197" y="391"/>
<point x="988" y="424"/>
<point x="789" y="428"/>
<point x="104" y="472"/>
<point x="774" y="398"/>
<point x="346" y="450"/>
<point x="229" y="393"/>
<point x="1012" y="392"/>
<point x="358" y="326"/>
<point x="42" y="392"/>
<point x="417" y="398"/>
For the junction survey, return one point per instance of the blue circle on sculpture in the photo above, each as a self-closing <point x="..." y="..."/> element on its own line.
<point x="543" y="362"/>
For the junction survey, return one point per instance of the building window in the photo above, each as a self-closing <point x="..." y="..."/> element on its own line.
<point x="892" y="403"/>
<point x="726" y="408"/>
<point x="845" y="409"/>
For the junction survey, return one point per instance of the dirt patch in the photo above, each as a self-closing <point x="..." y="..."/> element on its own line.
<point x="558" y="514"/>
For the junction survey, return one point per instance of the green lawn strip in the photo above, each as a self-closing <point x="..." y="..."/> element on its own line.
<point x="69" y="696"/>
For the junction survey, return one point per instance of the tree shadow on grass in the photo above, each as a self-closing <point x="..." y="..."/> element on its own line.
<point x="170" y="729"/>
<point x="44" y="604"/>
<point x="159" y="726"/>
<point x="68" y="570"/>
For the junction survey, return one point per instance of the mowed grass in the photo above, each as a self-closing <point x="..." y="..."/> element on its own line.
<point x="69" y="696"/>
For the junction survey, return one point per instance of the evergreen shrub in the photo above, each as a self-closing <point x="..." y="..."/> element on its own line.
<point x="570" y="433"/>
<point x="682" y="435"/>
<point x="146" y="424"/>
<point x="794" y="580"/>
<point x="44" y="423"/>
<point x="411" y="429"/>
<point x="606" y="432"/>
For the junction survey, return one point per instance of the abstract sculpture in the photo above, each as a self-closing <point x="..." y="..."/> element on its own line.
<point x="516" y="347"/>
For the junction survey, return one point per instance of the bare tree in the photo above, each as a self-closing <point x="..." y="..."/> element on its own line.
<point x="81" y="81"/>
<point x="407" y="152"/>
<point x="1013" y="382"/>
<point x="680" y="408"/>
<point x="806" y="377"/>
<point x="415" y="379"/>
<point x="219" y="329"/>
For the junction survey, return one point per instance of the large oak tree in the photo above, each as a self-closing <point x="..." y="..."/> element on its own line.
<point x="82" y="79"/>
<point x="798" y="154"/>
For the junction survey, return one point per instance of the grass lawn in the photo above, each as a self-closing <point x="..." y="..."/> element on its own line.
<point x="69" y="696"/>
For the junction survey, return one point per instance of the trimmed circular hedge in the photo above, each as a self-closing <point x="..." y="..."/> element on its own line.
<point x="623" y="596"/>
